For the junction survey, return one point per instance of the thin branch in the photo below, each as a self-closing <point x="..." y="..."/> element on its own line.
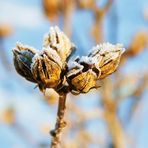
<point x="60" y="123"/>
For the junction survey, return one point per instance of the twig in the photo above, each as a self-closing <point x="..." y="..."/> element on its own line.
<point x="60" y="123"/>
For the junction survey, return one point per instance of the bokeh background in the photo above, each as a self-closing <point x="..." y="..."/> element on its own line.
<point x="113" y="116"/>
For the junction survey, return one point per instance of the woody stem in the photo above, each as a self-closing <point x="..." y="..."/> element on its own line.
<point x="60" y="123"/>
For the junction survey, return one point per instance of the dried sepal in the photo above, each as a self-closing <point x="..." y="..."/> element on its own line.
<point x="23" y="56"/>
<point x="108" y="57"/>
<point x="59" y="42"/>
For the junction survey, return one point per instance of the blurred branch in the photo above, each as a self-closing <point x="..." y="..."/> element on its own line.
<point x="110" y="108"/>
<point x="54" y="9"/>
<point x="68" y="8"/>
<point x="99" y="13"/>
<point x="5" y="31"/>
<point x="3" y="55"/>
<point x="136" y="95"/>
<point x="137" y="45"/>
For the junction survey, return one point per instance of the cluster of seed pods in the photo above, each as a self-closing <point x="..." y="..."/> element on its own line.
<point x="50" y="67"/>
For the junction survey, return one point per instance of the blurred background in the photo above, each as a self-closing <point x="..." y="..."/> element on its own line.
<point x="113" y="116"/>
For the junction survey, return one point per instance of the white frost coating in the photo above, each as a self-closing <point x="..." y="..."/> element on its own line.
<point x="75" y="64"/>
<point x="36" y="57"/>
<point x="89" y="60"/>
<point x="50" y="53"/>
<point x="107" y="52"/>
<point x="86" y="60"/>
<point x="74" y="68"/>
<point x="107" y="48"/>
<point x="20" y="47"/>
<point x="53" y="54"/>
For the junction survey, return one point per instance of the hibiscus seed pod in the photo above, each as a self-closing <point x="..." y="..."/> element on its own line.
<point x="82" y="76"/>
<point x="46" y="69"/>
<point x="108" y="57"/>
<point x="23" y="56"/>
<point x="59" y="42"/>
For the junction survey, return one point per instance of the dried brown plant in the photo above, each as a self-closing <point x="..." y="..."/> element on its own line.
<point x="49" y="68"/>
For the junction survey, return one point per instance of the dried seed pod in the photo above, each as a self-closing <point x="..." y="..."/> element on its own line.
<point x="46" y="69"/>
<point x="58" y="41"/>
<point x="23" y="59"/>
<point x="108" y="57"/>
<point x="82" y="76"/>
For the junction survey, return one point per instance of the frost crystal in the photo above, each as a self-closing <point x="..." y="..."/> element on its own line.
<point x="21" y="47"/>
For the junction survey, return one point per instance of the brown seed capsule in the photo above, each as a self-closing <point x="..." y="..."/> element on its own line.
<point x="23" y="59"/>
<point x="85" y="81"/>
<point x="46" y="69"/>
<point x="108" y="57"/>
<point x="59" y="42"/>
<point x="82" y="77"/>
